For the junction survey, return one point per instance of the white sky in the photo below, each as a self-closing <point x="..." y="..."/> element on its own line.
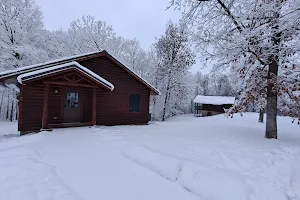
<point x="141" y="19"/>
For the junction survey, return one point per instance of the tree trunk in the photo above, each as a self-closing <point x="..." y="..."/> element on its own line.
<point x="166" y="100"/>
<point x="271" y="122"/>
<point x="12" y="111"/>
<point x="7" y="111"/>
<point x="1" y="104"/>
<point x="165" y="106"/>
<point x="153" y="115"/>
<point x="17" y="111"/>
<point x="271" y="111"/>
<point x="261" y="115"/>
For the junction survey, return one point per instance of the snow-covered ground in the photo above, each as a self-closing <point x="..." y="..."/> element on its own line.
<point x="8" y="129"/>
<point x="212" y="158"/>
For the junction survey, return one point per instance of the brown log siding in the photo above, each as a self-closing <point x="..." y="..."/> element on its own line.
<point x="55" y="105"/>
<point x="87" y="105"/>
<point x="32" y="107"/>
<point x="112" y="106"/>
<point x="215" y="108"/>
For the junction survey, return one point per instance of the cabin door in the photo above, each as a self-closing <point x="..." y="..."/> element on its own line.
<point x="71" y="110"/>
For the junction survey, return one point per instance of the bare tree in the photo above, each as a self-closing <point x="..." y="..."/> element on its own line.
<point x="261" y="115"/>
<point x="257" y="39"/>
<point x="175" y="57"/>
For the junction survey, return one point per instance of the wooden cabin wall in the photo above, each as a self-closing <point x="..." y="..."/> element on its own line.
<point x="55" y="102"/>
<point x="216" y="108"/>
<point x="32" y="100"/>
<point x="113" y="106"/>
<point x="87" y="104"/>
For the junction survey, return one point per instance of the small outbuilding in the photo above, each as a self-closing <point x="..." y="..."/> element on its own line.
<point x="211" y="105"/>
<point x="82" y="90"/>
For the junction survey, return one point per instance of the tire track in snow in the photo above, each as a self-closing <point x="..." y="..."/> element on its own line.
<point x="159" y="172"/>
<point x="24" y="176"/>
<point x="192" y="176"/>
<point x="187" y="175"/>
<point x="148" y="159"/>
<point x="183" y="165"/>
<point x="60" y="180"/>
<point x="258" y="165"/>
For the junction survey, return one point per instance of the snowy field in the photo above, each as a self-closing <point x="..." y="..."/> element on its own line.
<point x="185" y="158"/>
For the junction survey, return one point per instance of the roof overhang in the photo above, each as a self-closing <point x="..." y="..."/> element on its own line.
<point x="30" y="68"/>
<point x="77" y="58"/>
<point x="153" y="90"/>
<point x="43" y="73"/>
<point x="214" y="100"/>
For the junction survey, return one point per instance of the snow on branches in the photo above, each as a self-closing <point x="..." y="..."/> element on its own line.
<point x="24" y="41"/>
<point x="256" y="39"/>
<point x="175" y="57"/>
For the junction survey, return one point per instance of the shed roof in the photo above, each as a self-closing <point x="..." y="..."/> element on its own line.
<point x="59" y="68"/>
<point x="214" y="100"/>
<point x="21" y="70"/>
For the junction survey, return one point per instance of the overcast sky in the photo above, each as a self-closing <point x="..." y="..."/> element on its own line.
<point x="141" y="19"/>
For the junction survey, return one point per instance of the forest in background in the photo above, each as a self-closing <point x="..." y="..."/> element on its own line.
<point x="166" y="64"/>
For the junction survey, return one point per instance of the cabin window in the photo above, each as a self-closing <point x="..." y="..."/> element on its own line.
<point x="134" y="103"/>
<point x="72" y="100"/>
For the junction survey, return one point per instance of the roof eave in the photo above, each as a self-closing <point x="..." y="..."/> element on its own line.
<point x="153" y="91"/>
<point x="72" y="65"/>
<point x="140" y="79"/>
<point x="15" y="73"/>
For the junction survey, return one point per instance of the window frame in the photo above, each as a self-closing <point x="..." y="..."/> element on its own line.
<point x="77" y="99"/>
<point x="139" y="106"/>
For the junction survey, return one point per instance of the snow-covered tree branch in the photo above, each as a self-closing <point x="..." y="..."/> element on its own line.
<point x="257" y="40"/>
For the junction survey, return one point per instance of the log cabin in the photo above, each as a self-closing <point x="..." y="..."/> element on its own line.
<point x="211" y="105"/>
<point x="83" y="90"/>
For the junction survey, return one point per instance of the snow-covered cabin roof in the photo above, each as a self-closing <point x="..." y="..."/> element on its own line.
<point x="214" y="100"/>
<point x="42" y="65"/>
<point x="31" y="68"/>
<point x="58" y="68"/>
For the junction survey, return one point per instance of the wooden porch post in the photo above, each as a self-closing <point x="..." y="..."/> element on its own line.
<point x="45" y="108"/>
<point x="94" y="115"/>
